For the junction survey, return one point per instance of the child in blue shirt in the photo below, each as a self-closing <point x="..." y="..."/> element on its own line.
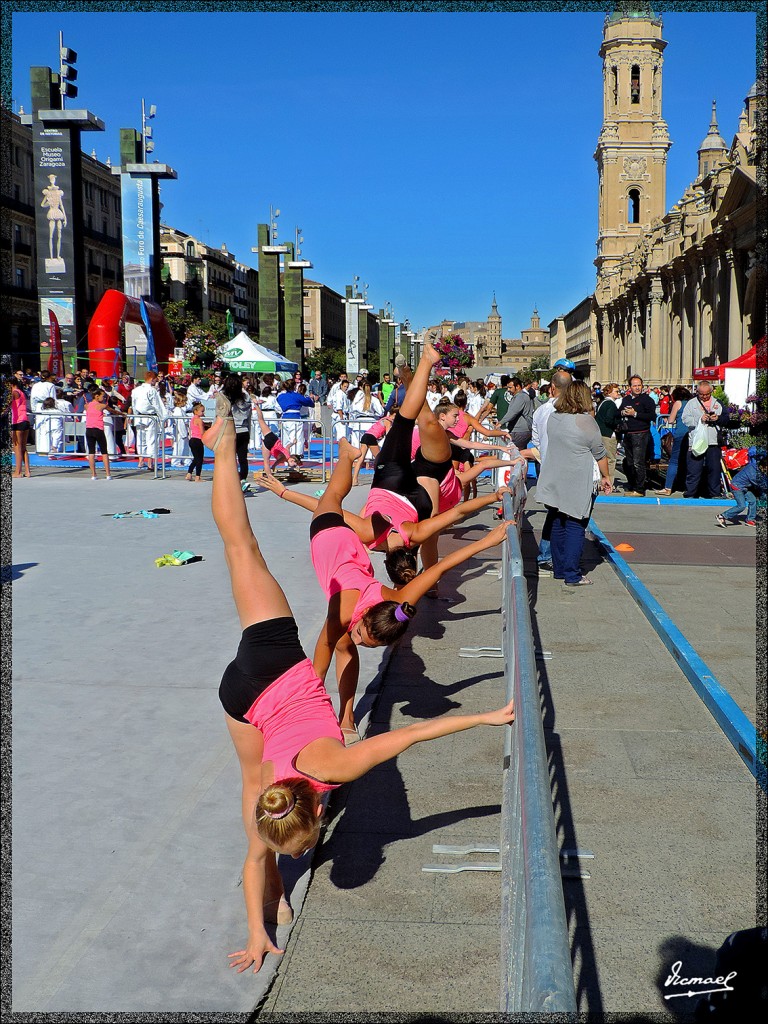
<point x="747" y="485"/>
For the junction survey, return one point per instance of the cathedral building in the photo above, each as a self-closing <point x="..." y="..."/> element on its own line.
<point x="676" y="289"/>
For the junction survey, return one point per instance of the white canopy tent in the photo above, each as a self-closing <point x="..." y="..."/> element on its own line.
<point x="244" y="355"/>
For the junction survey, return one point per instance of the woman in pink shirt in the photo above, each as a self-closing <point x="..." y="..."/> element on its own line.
<point x="280" y="717"/>
<point x="20" y="429"/>
<point x="94" y="431"/>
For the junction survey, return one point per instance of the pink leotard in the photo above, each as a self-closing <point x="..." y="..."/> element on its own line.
<point x="19" y="408"/>
<point x="94" y="414"/>
<point x="292" y="712"/>
<point x="278" y="448"/>
<point x="377" y="429"/>
<point x="342" y="563"/>
<point x="462" y="425"/>
<point x="415" y="442"/>
<point x="451" y="491"/>
<point x="394" y="508"/>
<point x="196" y="427"/>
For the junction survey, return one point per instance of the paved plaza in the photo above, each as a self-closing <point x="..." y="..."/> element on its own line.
<point x="127" y="838"/>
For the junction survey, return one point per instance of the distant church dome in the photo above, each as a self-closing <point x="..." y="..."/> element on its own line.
<point x="713" y="139"/>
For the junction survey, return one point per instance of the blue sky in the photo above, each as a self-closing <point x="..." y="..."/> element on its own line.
<point x="439" y="156"/>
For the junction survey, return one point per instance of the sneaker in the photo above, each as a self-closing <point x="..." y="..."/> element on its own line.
<point x="750" y="522"/>
<point x="107" y="477"/>
<point x="720" y="520"/>
<point x="94" y="478"/>
<point x="545" y="569"/>
<point x="245" y="486"/>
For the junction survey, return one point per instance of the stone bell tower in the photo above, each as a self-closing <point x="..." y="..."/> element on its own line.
<point x="632" y="147"/>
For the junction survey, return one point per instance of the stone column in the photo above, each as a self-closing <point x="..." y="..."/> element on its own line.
<point x="735" y="321"/>
<point x="653" y="337"/>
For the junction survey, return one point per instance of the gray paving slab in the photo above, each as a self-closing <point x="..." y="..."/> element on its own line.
<point x="133" y="845"/>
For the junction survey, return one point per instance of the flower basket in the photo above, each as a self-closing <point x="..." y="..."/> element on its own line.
<point x="455" y="353"/>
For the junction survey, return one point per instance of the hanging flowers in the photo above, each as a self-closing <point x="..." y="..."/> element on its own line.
<point x="200" y="349"/>
<point x="455" y="352"/>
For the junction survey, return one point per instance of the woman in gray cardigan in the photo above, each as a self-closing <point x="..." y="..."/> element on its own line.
<point x="566" y="483"/>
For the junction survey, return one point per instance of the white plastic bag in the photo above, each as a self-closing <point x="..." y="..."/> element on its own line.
<point x="700" y="438"/>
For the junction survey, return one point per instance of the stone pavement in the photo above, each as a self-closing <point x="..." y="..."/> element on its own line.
<point x="127" y="837"/>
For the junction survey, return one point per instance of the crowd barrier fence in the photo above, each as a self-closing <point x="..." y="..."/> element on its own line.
<point x="536" y="975"/>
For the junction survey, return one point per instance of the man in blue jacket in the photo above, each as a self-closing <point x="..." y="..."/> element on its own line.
<point x="747" y="485"/>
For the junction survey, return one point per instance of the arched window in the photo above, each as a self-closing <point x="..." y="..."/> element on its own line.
<point x="615" y="87"/>
<point x="634" y="84"/>
<point x="190" y="249"/>
<point x="633" y="206"/>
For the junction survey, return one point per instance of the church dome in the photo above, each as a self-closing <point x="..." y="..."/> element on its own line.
<point x="713" y="139"/>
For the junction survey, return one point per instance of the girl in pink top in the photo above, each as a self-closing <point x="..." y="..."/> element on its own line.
<point x="281" y="719"/>
<point x="94" y="431"/>
<point x="361" y="610"/>
<point x="369" y="442"/>
<point x="20" y="429"/>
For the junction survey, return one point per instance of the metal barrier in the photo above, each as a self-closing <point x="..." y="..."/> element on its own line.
<point x="537" y="976"/>
<point x="73" y="437"/>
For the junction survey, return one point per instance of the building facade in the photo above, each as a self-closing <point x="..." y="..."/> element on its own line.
<point x="209" y="280"/>
<point x="676" y="289"/>
<point x="18" y="244"/>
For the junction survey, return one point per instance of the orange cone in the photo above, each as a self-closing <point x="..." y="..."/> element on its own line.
<point x="624" y="547"/>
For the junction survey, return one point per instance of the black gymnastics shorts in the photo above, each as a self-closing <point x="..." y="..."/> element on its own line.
<point x="267" y="650"/>
<point x="326" y="521"/>
<point x="92" y="435"/>
<point x="371" y="440"/>
<point x="23" y="425"/>
<point x="270" y="440"/>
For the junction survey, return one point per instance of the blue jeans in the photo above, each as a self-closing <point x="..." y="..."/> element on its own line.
<point x="567" y="544"/>
<point x="744" y="500"/>
<point x="674" y="462"/>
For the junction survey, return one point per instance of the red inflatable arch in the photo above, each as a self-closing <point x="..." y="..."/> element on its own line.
<point x="105" y="331"/>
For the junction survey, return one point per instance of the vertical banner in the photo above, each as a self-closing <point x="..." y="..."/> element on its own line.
<point x="138" y="255"/>
<point x="56" y="358"/>
<point x="54" y="229"/>
<point x="353" y="337"/>
<point x="151" y="358"/>
<point x="230" y="325"/>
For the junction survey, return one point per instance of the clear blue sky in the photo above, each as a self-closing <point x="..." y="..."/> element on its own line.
<point x="440" y="156"/>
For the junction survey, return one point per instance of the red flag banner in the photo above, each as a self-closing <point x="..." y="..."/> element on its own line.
<point x="56" y="358"/>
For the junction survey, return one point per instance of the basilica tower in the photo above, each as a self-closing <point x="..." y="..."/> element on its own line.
<point x="632" y="147"/>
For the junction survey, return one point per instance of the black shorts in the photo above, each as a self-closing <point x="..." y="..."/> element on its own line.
<point x="23" y="425"/>
<point x="371" y="440"/>
<point x="394" y="470"/>
<point x="267" y="650"/>
<point x="92" y="435"/>
<point x="434" y="470"/>
<point x="270" y="440"/>
<point x="326" y="521"/>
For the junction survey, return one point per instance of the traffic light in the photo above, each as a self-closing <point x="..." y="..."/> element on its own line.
<point x="67" y="73"/>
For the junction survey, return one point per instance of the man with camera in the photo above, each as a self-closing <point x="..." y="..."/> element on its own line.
<point x="705" y="409"/>
<point x="637" y="411"/>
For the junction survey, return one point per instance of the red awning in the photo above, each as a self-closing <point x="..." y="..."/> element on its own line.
<point x="746" y="361"/>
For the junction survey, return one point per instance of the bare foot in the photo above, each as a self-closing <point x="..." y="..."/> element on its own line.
<point x="218" y="429"/>
<point x="431" y="354"/>
<point x="348" y="450"/>
<point x="277" y="911"/>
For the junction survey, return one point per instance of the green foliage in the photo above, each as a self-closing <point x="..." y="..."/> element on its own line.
<point x="185" y="324"/>
<point x="720" y="396"/>
<point x="327" y="360"/>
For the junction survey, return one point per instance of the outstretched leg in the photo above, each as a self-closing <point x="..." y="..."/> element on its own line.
<point x="416" y="383"/>
<point x="340" y="483"/>
<point x="258" y="596"/>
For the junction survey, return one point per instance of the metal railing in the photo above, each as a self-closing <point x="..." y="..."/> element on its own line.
<point x="71" y="441"/>
<point x="536" y="974"/>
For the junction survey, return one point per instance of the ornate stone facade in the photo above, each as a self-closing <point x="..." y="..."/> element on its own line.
<point x="682" y="289"/>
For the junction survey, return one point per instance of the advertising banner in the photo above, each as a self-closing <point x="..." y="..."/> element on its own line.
<point x="56" y="358"/>
<point x="353" y="337"/>
<point x="55" y="229"/>
<point x="138" y="245"/>
<point x="150" y="357"/>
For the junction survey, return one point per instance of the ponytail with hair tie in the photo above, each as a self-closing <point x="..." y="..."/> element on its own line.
<point x="404" y="612"/>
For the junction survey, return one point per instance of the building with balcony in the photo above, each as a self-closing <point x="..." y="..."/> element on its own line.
<point x="18" y="245"/>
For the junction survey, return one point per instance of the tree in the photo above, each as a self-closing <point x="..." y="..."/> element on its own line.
<point x="327" y="360"/>
<point x="538" y="370"/>
<point x="184" y="323"/>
